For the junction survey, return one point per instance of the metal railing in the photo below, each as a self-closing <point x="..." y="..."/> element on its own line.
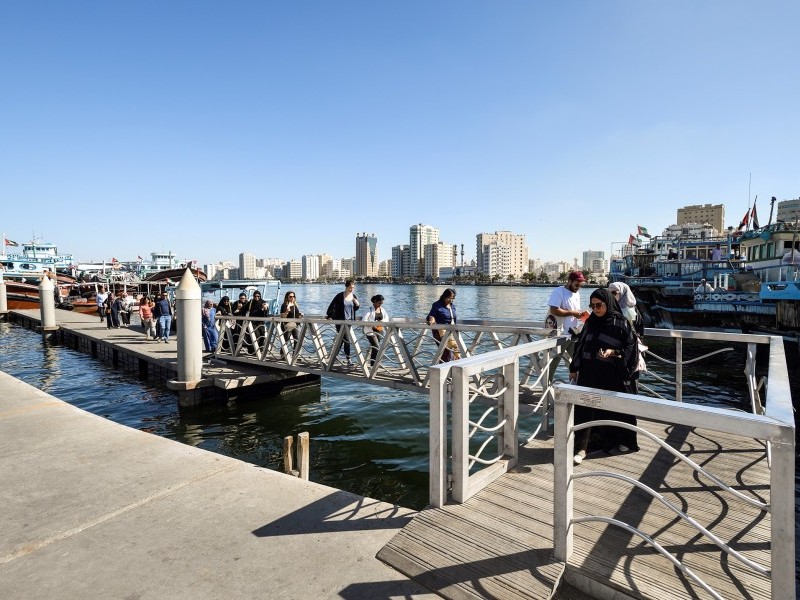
<point x="775" y="426"/>
<point x="400" y="355"/>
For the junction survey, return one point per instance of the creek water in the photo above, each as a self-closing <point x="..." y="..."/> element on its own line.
<point x="369" y="440"/>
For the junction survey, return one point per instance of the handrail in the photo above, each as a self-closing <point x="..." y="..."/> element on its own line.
<point x="776" y="428"/>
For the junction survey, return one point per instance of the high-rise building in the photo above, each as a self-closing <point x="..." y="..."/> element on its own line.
<point x="400" y="261"/>
<point x="713" y="214"/>
<point x="366" y="255"/>
<point x="310" y="267"/>
<point x="247" y="265"/>
<point x="592" y="258"/>
<point x="437" y="257"/>
<point x="348" y="265"/>
<point x="788" y="211"/>
<point x="293" y="270"/>
<point x="496" y="261"/>
<point x="518" y="250"/>
<point x="419" y="237"/>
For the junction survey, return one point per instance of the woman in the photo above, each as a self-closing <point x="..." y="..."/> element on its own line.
<point x="112" y="311"/>
<point x="375" y="332"/>
<point x="443" y="312"/>
<point x="290" y="310"/>
<point x="627" y="304"/>
<point x="606" y="356"/>
<point x="146" y="316"/>
<point x="224" y="308"/>
<point x="209" y="326"/>
<point x="343" y="307"/>
<point x="257" y="308"/>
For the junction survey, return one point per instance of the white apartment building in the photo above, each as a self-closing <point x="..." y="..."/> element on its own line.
<point x="420" y="236"/>
<point x="401" y="257"/>
<point x="437" y="256"/>
<point x="496" y="261"/>
<point x="788" y="211"/>
<point x="311" y="269"/>
<point x="366" y="255"/>
<point x="518" y="250"/>
<point x="247" y="265"/>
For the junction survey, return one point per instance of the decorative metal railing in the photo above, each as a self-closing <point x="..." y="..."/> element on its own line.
<point x="400" y="355"/>
<point x="774" y="425"/>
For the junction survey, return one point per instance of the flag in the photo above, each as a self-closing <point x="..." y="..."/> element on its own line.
<point x="632" y="241"/>
<point x="113" y="260"/>
<point x="139" y="257"/>
<point x="642" y="231"/>
<point x="745" y="220"/>
<point x="9" y="242"/>
<point x="754" y="217"/>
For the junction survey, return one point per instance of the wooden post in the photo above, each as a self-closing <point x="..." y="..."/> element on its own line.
<point x="303" y="454"/>
<point x="288" y="458"/>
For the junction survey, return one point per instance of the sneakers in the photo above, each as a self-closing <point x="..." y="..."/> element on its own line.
<point x="578" y="458"/>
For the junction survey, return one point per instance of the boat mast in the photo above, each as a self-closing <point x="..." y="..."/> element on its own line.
<point x="771" y="207"/>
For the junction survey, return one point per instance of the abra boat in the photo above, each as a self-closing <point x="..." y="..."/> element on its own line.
<point x="753" y="288"/>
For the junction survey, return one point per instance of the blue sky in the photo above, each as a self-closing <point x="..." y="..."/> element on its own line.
<point x="286" y="128"/>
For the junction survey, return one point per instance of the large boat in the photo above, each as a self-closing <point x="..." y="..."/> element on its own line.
<point x="21" y="296"/>
<point x="753" y="286"/>
<point x="33" y="260"/>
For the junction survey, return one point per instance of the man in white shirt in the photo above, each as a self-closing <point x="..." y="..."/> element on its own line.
<point x="704" y="287"/>
<point x="565" y="304"/>
<point x="100" y="299"/>
<point x="716" y="253"/>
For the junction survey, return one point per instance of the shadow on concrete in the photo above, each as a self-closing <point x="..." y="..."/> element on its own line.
<point x="339" y="511"/>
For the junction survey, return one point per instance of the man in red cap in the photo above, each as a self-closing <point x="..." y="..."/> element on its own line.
<point x="565" y="304"/>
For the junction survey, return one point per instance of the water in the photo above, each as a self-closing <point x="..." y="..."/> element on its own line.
<point x="369" y="440"/>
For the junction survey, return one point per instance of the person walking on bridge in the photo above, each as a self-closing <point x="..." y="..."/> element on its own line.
<point x="164" y="310"/>
<point x="343" y="307"/>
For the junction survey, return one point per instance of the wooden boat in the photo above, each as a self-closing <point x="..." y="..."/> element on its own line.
<point x="21" y="296"/>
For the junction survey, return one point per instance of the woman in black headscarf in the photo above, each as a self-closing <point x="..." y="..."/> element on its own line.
<point x="606" y="357"/>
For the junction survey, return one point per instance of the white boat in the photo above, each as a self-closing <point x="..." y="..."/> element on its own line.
<point x="33" y="260"/>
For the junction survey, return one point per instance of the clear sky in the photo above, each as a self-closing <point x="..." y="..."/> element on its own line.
<point x="286" y="128"/>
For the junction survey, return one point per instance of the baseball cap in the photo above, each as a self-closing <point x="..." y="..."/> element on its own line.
<point x="576" y="276"/>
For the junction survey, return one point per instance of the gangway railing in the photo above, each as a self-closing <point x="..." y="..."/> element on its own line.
<point x="483" y="393"/>
<point x="400" y="355"/>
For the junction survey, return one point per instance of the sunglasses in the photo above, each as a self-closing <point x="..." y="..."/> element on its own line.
<point x="291" y="296"/>
<point x="596" y="305"/>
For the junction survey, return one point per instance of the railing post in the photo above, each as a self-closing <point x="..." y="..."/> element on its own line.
<point x="563" y="450"/>
<point x="460" y="407"/>
<point x="437" y="449"/>
<point x="510" y="441"/>
<point x="781" y="493"/>
<point x="679" y="369"/>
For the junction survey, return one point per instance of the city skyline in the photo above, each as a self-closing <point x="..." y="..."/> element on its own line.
<point x="275" y="128"/>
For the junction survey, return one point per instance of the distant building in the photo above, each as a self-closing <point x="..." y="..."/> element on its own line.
<point x="713" y="214"/>
<point x="534" y="266"/>
<point x="348" y="265"/>
<point x="293" y="270"/>
<point x="247" y="265"/>
<point x="385" y="268"/>
<point x="516" y="255"/>
<point x="400" y="261"/>
<point x="366" y="255"/>
<point x="420" y="236"/>
<point x="788" y="211"/>
<point x="310" y="264"/>
<point x="438" y="256"/>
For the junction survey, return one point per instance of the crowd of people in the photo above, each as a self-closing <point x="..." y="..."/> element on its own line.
<point x="604" y="349"/>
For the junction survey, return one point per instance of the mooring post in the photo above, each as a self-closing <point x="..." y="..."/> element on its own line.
<point x="47" y="308"/>
<point x="303" y="447"/>
<point x="190" y="343"/>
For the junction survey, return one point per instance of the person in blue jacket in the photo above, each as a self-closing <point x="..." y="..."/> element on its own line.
<point x="443" y="312"/>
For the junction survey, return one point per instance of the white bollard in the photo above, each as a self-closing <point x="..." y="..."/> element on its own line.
<point x="3" y="296"/>
<point x="47" y="304"/>
<point x="190" y="336"/>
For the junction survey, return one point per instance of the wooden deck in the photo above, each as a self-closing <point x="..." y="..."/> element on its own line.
<point x="499" y="544"/>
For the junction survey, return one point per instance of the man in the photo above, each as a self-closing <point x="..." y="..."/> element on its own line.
<point x="101" y="300"/>
<point x="704" y="287"/>
<point x="565" y="304"/>
<point x="716" y="253"/>
<point x="164" y="309"/>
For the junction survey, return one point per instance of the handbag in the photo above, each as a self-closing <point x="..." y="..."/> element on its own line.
<point x="289" y="326"/>
<point x="108" y="311"/>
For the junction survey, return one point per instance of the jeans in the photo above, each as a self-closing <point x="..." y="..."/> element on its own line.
<point x="165" y="321"/>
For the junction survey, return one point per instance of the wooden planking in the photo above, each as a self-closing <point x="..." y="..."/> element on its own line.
<point x="509" y="525"/>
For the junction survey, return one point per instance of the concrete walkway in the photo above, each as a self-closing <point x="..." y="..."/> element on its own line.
<point x="94" y="509"/>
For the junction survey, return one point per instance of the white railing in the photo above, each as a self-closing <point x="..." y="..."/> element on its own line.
<point x="775" y="427"/>
<point x="404" y="353"/>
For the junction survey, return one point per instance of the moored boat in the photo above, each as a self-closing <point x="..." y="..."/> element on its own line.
<point x="753" y="287"/>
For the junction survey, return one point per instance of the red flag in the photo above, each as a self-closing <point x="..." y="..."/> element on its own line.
<point x="754" y="217"/>
<point x="745" y="220"/>
<point x="113" y="260"/>
<point x="9" y="242"/>
<point x="632" y="240"/>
